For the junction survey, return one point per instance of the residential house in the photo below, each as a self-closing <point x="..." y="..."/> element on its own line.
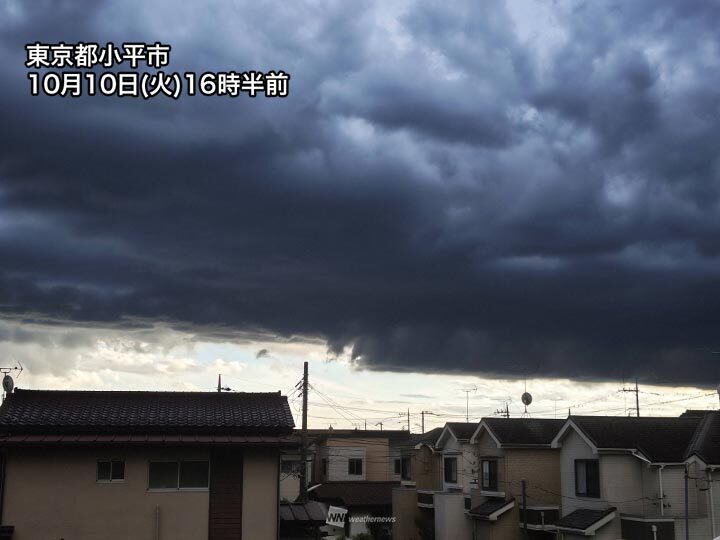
<point x="357" y="469"/>
<point x="421" y="477"/>
<point x="512" y="453"/>
<point x="459" y="462"/>
<point x="626" y="477"/>
<point x="144" y="465"/>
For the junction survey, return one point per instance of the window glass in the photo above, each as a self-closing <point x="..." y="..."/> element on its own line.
<point x="406" y="467"/>
<point x="398" y="466"/>
<point x="194" y="474"/>
<point x="103" y="471"/>
<point x="450" y="466"/>
<point x="587" y="477"/>
<point x="117" y="470"/>
<point x="489" y="474"/>
<point x="355" y="467"/>
<point x="163" y="475"/>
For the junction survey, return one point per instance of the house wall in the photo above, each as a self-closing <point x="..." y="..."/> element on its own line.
<point x="611" y="531"/>
<point x="375" y="453"/>
<point x="405" y="510"/>
<point x="427" y="469"/>
<point x="486" y="447"/>
<point x="574" y="447"/>
<point x="467" y="463"/>
<point x="673" y="478"/>
<point x="451" y="522"/>
<point x="260" y="494"/>
<point x="540" y="467"/>
<point x="505" y="528"/>
<point x="53" y="493"/>
<point x="621" y="483"/>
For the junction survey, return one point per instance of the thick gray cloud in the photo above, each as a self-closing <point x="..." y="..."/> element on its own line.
<point x="443" y="190"/>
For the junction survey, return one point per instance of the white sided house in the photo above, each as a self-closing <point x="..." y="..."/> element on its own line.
<point x="626" y="477"/>
<point x="459" y="476"/>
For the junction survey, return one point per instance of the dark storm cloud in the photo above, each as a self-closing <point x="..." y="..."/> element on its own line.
<point x="437" y="193"/>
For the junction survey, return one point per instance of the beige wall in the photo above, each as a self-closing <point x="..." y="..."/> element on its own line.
<point x="505" y="528"/>
<point x="260" y="492"/>
<point x="52" y="494"/>
<point x="540" y="467"/>
<point x="405" y="510"/>
<point x="376" y="463"/>
<point x="427" y="469"/>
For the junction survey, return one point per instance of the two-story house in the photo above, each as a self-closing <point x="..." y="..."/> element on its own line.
<point x="357" y="470"/>
<point x="459" y="465"/>
<point x="421" y="478"/>
<point x="514" y="453"/>
<point x="638" y="478"/>
<point x="164" y="465"/>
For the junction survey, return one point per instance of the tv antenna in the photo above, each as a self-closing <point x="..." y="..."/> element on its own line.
<point x="8" y="383"/>
<point x="526" y="398"/>
<point x="467" y="402"/>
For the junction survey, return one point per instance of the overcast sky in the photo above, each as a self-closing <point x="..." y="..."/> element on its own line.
<point x="480" y="191"/>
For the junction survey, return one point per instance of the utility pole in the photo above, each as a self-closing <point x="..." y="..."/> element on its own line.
<point x="422" y="416"/>
<point x="303" y="450"/>
<point x="380" y="424"/>
<point x="408" y="414"/>
<point x="219" y="382"/>
<point x="524" y="503"/>
<point x="636" y="391"/>
<point x="687" y="517"/>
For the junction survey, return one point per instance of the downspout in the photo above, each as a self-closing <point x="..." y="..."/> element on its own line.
<point x="712" y="503"/>
<point x="157" y="522"/>
<point x="662" y="494"/>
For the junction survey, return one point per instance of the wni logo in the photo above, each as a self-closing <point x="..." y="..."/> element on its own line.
<point x="336" y="516"/>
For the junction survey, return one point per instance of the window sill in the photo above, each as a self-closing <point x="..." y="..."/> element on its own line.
<point x="175" y="490"/>
<point x="491" y="493"/>
<point x="109" y="481"/>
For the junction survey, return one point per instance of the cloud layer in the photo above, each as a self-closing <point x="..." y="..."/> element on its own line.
<point x="449" y="186"/>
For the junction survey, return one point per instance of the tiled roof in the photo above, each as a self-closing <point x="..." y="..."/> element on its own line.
<point x="489" y="507"/>
<point x="88" y="412"/>
<point x="521" y="431"/>
<point x="356" y="493"/>
<point x="661" y="439"/>
<point x="429" y="437"/>
<point x="463" y="430"/>
<point x="706" y="443"/>
<point x="583" y="518"/>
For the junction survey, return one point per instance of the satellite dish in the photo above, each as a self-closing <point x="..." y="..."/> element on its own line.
<point x="8" y="384"/>
<point x="526" y="398"/>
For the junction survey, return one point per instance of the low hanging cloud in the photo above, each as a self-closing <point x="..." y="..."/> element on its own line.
<point x="446" y="189"/>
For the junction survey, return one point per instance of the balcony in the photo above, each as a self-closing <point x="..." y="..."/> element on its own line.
<point x="425" y="498"/>
<point x="540" y="518"/>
